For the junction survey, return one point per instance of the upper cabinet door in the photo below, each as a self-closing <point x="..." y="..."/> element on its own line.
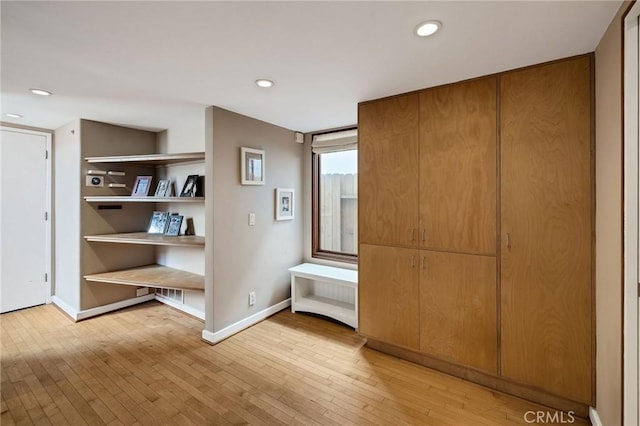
<point x="547" y="227"/>
<point x="458" y="167"/>
<point x="388" y="170"/>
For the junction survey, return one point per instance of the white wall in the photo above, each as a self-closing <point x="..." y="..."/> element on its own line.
<point x="66" y="214"/>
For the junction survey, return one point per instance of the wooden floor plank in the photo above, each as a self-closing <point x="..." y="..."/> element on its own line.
<point x="147" y="365"/>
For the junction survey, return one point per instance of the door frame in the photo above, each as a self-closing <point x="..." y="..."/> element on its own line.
<point x="49" y="284"/>
<point x="631" y="259"/>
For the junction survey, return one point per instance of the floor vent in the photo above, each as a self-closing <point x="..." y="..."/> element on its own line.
<point x="171" y="294"/>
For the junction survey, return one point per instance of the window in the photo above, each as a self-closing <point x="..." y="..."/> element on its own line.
<point x="335" y="196"/>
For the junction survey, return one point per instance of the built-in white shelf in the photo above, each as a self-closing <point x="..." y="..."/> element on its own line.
<point x="157" y="276"/>
<point x="325" y="290"/>
<point x="130" y="199"/>
<point x="148" y="239"/>
<point x="149" y="159"/>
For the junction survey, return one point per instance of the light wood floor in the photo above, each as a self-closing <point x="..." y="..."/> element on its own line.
<point x="147" y="365"/>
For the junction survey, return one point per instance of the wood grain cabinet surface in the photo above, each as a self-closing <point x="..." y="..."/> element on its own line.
<point x="389" y="298"/>
<point x="546" y="216"/>
<point x="458" y="167"/>
<point x="387" y="171"/>
<point x="476" y="229"/>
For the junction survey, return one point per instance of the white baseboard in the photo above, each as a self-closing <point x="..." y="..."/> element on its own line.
<point x="234" y="328"/>
<point x="594" y="417"/>
<point x="88" y="313"/>
<point x="182" y="307"/>
<point x="65" y="307"/>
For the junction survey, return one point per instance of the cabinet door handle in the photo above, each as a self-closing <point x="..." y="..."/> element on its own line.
<point x="412" y="234"/>
<point x="508" y="241"/>
<point x="424" y="263"/>
<point x="413" y="261"/>
<point x="424" y="235"/>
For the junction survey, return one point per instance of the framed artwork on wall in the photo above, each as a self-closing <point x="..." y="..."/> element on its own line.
<point x="284" y="204"/>
<point x="252" y="166"/>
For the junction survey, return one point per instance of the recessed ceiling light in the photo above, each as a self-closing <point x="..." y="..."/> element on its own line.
<point x="428" y="28"/>
<point x="40" y="92"/>
<point x="12" y="115"/>
<point x="263" y="82"/>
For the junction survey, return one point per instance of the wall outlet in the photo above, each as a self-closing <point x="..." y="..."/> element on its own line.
<point x="252" y="298"/>
<point x="252" y="219"/>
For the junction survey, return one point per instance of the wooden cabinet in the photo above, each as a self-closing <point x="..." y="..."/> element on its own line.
<point x="458" y="321"/>
<point x="546" y="211"/>
<point x="458" y="167"/>
<point x="388" y="296"/>
<point x="387" y="171"/>
<point x="488" y="186"/>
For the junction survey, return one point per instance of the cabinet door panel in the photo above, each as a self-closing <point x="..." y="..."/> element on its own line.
<point x="458" y="321"/>
<point x="388" y="295"/>
<point x="458" y="167"/>
<point x="388" y="170"/>
<point x="546" y="296"/>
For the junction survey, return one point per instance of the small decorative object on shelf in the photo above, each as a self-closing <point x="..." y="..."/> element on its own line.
<point x="252" y="166"/>
<point x="190" y="229"/>
<point x="190" y="186"/>
<point x="284" y="203"/>
<point x="158" y="223"/>
<point x="163" y="189"/>
<point x="175" y="223"/>
<point x="142" y="186"/>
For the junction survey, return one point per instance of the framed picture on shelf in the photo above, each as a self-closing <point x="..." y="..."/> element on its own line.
<point x="190" y="186"/>
<point x="252" y="166"/>
<point x="175" y="223"/>
<point x="142" y="186"/>
<point x="284" y="203"/>
<point x="164" y="188"/>
<point x="158" y="223"/>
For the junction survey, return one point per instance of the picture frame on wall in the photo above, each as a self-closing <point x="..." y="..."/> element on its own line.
<point x="190" y="186"/>
<point x="158" y="223"/>
<point x="252" y="166"/>
<point x="284" y="204"/>
<point x="174" y="225"/>
<point x="141" y="186"/>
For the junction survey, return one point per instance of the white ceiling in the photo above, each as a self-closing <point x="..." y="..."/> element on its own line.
<point x="149" y="64"/>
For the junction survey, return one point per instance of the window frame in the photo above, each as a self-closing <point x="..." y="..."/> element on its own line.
<point x="316" y="251"/>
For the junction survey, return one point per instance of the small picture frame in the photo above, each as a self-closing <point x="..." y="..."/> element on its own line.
<point x="284" y="204"/>
<point x="190" y="186"/>
<point x="142" y="186"/>
<point x="175" y="223"/>
<point x="252" y="166"/>
<point x="158" y="223"/>
<point x="164" y="188"/>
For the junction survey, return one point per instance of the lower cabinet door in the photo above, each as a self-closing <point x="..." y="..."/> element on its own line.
<point x="458" y="320"/>
<point x="388" y="292"/>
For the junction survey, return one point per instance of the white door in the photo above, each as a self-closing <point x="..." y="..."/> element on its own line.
<point x="24" y="227"/>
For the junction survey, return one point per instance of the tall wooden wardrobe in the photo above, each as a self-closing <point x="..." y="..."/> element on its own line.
<point x="476" y="230"/>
